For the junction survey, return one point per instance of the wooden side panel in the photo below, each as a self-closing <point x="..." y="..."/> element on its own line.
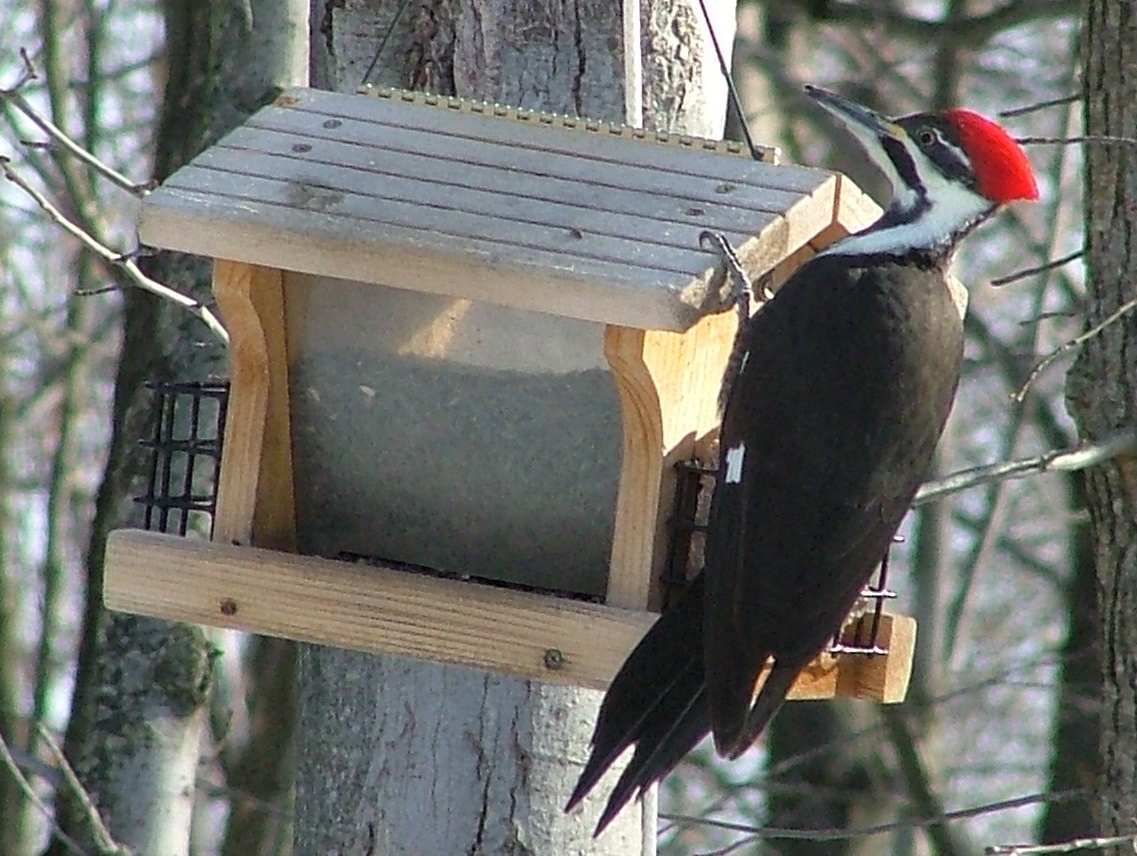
<point x="382" y="610"/>
<point x="883" y="678"/>
<point x="255" y="502"/>
<point x="669" y="385"/>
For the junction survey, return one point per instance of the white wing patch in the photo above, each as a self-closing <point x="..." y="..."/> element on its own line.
<point x="734" y="458"/>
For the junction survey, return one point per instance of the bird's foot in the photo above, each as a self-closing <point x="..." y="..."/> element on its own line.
<point x="741" y="293"/>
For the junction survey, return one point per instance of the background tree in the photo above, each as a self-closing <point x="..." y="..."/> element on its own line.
<point x="427" y="758"/>
<point x="1102" y="396"/>
<point x="140" y="707"/>
<point x="138" y="711"/>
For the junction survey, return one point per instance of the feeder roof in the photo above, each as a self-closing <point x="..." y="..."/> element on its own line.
<point x="551" y="214"/>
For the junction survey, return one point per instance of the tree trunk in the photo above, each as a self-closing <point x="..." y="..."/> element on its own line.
<point x="402" y="757"/>
<point x="823" y="777"/>
<point x="142" y="684"/>
<point x="1102" y="392"/>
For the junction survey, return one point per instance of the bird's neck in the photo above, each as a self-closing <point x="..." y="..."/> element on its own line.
<point x="919" y="226"/>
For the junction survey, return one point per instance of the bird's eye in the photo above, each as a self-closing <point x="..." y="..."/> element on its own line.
<point x="926" y="136"/>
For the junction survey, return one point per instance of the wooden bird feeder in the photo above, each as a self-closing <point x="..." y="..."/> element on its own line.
<point x="474" y="340"/>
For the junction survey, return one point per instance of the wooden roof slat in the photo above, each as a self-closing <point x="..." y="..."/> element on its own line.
<point x="610" y="161"/>
<point x="449" y="210"/>
<point x="536" y="136"/>
<point x="543" y="281"/>
<point x="583" y="224"/>
<point x="623" y="189"/>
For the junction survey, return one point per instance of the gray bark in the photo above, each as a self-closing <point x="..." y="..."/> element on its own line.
<point x="404" y="757"/>
<point x="1102" y="393"/>
<point x="408" y="757"/>
<point x="140" y="702"/>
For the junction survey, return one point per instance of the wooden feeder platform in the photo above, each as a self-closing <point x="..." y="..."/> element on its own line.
<point x="490" y="207"/>
<point x="387" y="611"/>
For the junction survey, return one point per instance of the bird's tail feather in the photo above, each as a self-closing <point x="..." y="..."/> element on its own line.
<point x="677" y="724"/>
<point x="655" y="703"/>
<point x="769" y="701"/>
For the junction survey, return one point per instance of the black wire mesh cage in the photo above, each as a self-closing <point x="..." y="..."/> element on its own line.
<point x="185" y="456"/>
<point x="694" y="484"/>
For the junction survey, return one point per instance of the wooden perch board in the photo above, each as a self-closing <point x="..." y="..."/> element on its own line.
<point x="381" y="610"/>
<point x="585" y="224"/>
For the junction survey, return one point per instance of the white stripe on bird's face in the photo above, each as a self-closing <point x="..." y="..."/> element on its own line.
<point x="952" y="209"/>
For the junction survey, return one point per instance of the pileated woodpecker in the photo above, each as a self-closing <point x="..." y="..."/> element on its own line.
<point x="834" y="408"/>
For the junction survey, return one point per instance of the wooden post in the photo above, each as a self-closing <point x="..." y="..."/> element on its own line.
<point x="668" y="385"/>
<point x="255" y="503"/>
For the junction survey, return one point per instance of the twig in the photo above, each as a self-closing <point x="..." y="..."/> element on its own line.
<point x="95" y="292"/>
<point x="99" y="832"/>
<point x="918" y="784"/>
<point x="1065" y="460"/>
<point x="125" y="264"/>
<point x="1119" y="313"/>
<point x="12" y="95"/>
<point x="1057" y="314"/>
<point x="28" y="72"/>
<point x="1042" y="268"/>
<point x="840" y="834"/>
<point x="9" y="763"/>
<point x="1041" y="105"/>
<point x="1071" y="141"/>
<point x="1062" y="847"/>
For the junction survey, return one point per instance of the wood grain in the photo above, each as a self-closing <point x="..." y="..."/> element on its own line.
<point x="668" y="385"/>
<point x="381" y="610"/>
<point x="591" y="225"/>
<point x="255" y="503"/>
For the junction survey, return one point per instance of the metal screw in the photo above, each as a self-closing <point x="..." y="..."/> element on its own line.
<point x="554" y="659"/>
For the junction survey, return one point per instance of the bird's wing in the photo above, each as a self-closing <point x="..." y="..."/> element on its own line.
<point x="809" y="492"/>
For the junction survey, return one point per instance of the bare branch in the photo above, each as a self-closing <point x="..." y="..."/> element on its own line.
<point x="9" y="763"/>
<point x="919" y="786"/>
<point x="1041" y="105"/>
<point x="1063" y="847"/>
<point x="1042" y="268"/>
<point x="839" y="834"/>
<point x="12" y="96"/>
<point x="1117" y="315"/>
<point x="1071" y="141"/>
<point x="1067" y="460"/>
<point x="970" y="30"/>
<point x="125" y="264"/>
<point x="102" y="836"/>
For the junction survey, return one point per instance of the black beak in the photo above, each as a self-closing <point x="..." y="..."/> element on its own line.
<point x="856" y="117"/>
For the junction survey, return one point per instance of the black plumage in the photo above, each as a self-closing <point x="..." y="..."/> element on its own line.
<point x="830" y="368"/>
<point x="848" y="378"/>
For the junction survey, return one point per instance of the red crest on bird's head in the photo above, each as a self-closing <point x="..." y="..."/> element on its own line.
<point x="1002" y="171"/>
